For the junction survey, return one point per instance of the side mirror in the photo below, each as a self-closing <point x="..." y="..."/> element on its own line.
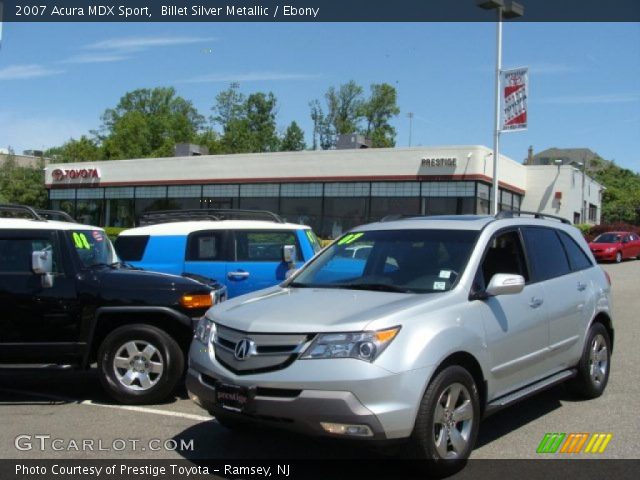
<point x="42" y="262"/>
<point x="505" y="284"/>
<point x="288" y="253"/>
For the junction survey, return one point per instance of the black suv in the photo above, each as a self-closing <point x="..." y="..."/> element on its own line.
<point x="66" y="299"/>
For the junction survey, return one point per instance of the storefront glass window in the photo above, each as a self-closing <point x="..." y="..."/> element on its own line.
<point x="381" y="207"/>
<point x="259" y="203"/>
<point x="341" y="214"/>
<point x="305" y="211"/>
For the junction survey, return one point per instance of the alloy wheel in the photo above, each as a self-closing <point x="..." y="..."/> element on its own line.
<point x="138" y="365"/>
<point x="453" y="421"/>
<point x="598" y="360"/>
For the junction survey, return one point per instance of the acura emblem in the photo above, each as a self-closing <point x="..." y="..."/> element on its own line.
<point x="243" y="349"/>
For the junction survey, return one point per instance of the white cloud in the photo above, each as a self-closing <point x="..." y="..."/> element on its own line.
<point x="22" y="72"/>
<point x="142" y="42"/>
<point x="249" y="77"/>
<point x="96" y="58"/>
<point x="592" y="99"/>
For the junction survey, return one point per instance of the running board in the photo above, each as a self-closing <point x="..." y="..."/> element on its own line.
<point x="534" y="388"/>
<point x="36" y="366"/>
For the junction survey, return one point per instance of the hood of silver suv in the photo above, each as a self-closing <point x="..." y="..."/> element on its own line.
<point x="311" y="310"/>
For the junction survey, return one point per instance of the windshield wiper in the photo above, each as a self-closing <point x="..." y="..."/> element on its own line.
<point x="382" y="287"/>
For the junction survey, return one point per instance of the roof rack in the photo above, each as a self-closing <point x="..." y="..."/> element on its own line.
<point x="21" y="210"/>
<point x="215" y="214"/>
<point x="517" y="213"/>
<point x="55" y="215"/>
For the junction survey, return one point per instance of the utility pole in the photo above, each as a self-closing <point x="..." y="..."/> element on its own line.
<point x="410" y="116"/>
<point x="510" y="10"/>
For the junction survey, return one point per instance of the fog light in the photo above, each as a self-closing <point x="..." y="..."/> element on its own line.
<point x="195" y="398"/>
<point x="347" y="429"/>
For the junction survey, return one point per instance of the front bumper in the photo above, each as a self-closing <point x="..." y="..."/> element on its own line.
<point x="603" y="256"/>
<point x="308" y="392"/>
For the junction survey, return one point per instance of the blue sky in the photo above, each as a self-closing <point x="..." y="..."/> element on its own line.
<point x="56" y="79"/>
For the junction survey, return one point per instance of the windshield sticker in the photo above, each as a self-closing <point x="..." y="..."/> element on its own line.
<point x="445" y="273"/>
<point x="80" y="241"/>
<point x="439" y="285"/>
<point x="352" y="237"/>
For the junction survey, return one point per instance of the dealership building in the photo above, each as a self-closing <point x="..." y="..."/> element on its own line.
<point x="330" y="190"/>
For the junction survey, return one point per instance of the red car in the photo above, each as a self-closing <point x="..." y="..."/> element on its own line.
<point x="615" y="246"/>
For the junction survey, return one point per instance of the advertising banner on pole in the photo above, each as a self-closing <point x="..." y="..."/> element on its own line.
<point x="515" y="90"/>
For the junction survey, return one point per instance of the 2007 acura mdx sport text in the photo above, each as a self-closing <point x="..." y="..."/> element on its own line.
<point x="445" y="320"/>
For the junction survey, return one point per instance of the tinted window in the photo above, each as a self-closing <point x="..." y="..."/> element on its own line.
<point x="505" y="255"/>
<point x="205" y="246"/>
<point x="263" y="246"/>
<point x="93" y="247"/>
<point x="546" y="254"/>
<point x="131" y="248"/>
<point x="15" y="254"/>
<point x="577" y="258"/>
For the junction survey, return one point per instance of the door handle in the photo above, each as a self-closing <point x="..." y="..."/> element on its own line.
<point x="581" y="286"/>
<point x="535" y="302"/>
<point x="237" y="275"/>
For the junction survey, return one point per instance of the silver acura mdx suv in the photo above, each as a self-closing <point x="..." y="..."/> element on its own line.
<point x="442" y="320"/>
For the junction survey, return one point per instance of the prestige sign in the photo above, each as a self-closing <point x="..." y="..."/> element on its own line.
<point x="60" y="174"/>
<point x="439" y="162"/>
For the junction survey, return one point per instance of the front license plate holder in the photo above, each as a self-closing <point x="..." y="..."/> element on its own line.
<point x="236" y="398"/>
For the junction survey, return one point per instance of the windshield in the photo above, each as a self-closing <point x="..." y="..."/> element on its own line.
<point x="608" y="238"/>
<point x="93" y="247"/>
<point x="407" y="261"/>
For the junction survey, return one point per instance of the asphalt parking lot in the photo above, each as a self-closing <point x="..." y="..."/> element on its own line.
<point x="71" y="406"/>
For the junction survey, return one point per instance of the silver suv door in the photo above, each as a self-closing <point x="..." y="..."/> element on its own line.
<point x="559" y="264"/>
<point x="517" y="333"/>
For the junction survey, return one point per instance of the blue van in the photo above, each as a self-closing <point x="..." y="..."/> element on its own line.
<point x="244" y="255"/>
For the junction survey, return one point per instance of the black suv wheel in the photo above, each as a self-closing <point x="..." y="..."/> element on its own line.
<point x="139" y="364"/>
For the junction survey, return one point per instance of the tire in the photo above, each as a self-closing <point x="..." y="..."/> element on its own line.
<point x="618" y="257"/>
<point x="432" y="440"/>
<point x="595" y="364"/>
<point x="158" y="364"/>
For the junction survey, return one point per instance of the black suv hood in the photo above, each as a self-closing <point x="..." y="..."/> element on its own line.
<point x="134" y="280"/>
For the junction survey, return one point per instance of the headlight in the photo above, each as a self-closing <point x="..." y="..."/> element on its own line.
<point x="611" y="249"/>
<point x="365" y="346"/>
<point x="204" y="330"/>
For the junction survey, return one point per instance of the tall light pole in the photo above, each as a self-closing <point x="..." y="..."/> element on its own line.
<point x="410" y="116"/>
<point x="504" y="10"/>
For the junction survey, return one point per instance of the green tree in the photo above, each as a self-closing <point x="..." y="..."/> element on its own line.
<point x="248" y="123"/>
<point x="293" y="139"/>
<point x="378" y="110"/>
<point x="84" y="149"/>
<point x="346" y="111"/>
<point x="621" y="199"/>
<point x="229" y="106"/>
<point x="22" y="185"/>
<point x="148" y="123"/>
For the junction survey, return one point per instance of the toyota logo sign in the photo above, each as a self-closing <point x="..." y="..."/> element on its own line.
<point x="60" y="174"/>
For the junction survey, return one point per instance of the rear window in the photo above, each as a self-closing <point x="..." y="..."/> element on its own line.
<point x="130" y="248"/>
<point x="577" y="258"/>
<point x="263" y="246"/>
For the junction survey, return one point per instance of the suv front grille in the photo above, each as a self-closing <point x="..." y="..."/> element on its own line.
<point x="269" y="352"/>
